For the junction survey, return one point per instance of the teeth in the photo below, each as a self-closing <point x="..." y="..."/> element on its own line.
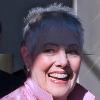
<point x="56" y="75"/>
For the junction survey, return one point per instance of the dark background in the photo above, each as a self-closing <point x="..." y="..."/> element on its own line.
<point x="12" y="13"/>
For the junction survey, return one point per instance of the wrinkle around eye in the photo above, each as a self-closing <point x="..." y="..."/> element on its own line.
<point x="73" y="53"/>
<point x="50" y="51"/>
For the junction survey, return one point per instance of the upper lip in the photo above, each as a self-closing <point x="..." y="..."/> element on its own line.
<point x="59" y="72"/>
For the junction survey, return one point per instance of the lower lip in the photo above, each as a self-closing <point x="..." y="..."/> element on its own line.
<point x="56" y="81"/>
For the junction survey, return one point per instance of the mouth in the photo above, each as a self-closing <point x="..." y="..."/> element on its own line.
<point x="64" y="76"/>
<point x="59" y="76"/>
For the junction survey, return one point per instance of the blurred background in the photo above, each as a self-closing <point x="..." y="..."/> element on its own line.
<point x="12" y="15"/>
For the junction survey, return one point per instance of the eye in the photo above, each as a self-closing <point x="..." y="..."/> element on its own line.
<point x="50" y="50"/>
<point x="73" y="53"/>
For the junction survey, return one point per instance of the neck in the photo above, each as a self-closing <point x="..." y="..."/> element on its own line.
<point x="60" y="98"/>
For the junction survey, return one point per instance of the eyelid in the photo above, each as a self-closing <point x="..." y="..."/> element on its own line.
<point x="50" y="50"/>
<point x="74" y="52"/>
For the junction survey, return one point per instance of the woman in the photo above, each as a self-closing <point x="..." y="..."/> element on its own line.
<point x="52" y="52"/>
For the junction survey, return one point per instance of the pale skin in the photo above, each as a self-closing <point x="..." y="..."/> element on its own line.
<point x="56" y="61"/>
<point x="52" y="63"/>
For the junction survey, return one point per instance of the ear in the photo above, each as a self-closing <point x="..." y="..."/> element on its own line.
<point x="26" y="57"/>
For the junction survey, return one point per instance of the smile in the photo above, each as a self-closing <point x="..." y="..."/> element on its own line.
<point x="59" y="76"/>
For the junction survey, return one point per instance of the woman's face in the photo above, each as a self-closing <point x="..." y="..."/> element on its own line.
<point x="57" y="64"/>
<point x="56" y="70"/>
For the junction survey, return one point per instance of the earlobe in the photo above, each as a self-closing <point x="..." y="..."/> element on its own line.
<point x="24" y="51"/>
<point x="26" y="56"/>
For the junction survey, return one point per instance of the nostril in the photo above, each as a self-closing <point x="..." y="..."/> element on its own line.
<point x="62" y="63"/>
<point x="65" y="62"/>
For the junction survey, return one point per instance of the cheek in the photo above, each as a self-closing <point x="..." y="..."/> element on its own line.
<point x="75" y="64"/>
<point x="42" y="62"/>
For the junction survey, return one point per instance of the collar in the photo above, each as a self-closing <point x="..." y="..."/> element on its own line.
<point x="36" y="91"/>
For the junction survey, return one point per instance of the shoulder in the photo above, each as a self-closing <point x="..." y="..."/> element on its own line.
<point x="81" y="93"/>
<point x="15" y="95"/>
<point x="89" y="96"/>
<point x="19" y="94"/>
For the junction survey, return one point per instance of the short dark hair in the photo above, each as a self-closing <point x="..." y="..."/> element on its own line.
<point x="37" y="15"/>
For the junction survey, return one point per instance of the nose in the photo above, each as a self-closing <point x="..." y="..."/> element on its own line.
<point x="62" y="59"/>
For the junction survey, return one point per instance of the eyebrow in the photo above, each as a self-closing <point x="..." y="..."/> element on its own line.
<point x="73" y="45"/>
<point x="50" y="44"/>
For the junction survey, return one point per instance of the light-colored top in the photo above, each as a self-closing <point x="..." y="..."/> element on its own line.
<point x="31" y="91"/>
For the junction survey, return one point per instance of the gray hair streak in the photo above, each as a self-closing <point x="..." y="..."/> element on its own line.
<point x="34" y="13"/>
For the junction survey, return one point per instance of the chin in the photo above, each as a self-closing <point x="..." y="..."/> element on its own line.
<point x="60" y="88"/>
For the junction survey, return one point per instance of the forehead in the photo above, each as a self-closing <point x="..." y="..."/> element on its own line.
<point x="57" y="32"/>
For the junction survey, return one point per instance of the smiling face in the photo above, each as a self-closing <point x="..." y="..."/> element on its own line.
<point x="56" y="66"/>
<point x="56" y="70"/>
